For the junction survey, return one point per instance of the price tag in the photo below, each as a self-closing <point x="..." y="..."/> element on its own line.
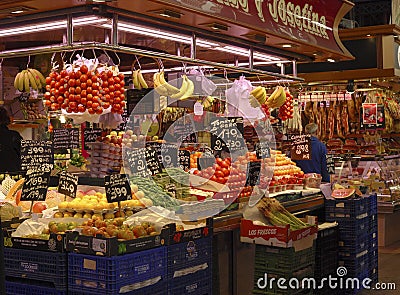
<point x="68" y="184"/>
<point x="205" y="161"/>
<point x="262" y="150"/>
<point x="117" y="188"/>
<point x="37" y="155"/>
<point x="66" y="138"/>
<point x="301" y="146"/>
<point x="35" y="185"/>
<point x="152" y="161"/>
<point x="184" y="131"/>
<point x="169" y="155"/>
<point x="330" y="164"/>
<point x="184" y="159"/>
<point x="227" y="134"/>
<point x="90" y="135"/>
<point x="143" y="162"/>
<point x="253" y="173"/>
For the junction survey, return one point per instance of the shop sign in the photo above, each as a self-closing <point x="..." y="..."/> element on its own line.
<point x="117" y="188"/>
<point x="372" y="116"/>
<point x="300" y="146"/>
<point x="37" y="155"/>
<point x="35" y="186"/>
<point x="66" y="138"/>
<point x="68" y="184"/>
<point x="227" y="134"/>
<point x="312" y="22"/>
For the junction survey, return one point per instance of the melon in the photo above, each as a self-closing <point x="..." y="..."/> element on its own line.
<point x="343" y="193"/>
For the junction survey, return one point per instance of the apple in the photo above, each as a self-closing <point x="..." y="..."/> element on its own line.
<point x="39" y="207"/>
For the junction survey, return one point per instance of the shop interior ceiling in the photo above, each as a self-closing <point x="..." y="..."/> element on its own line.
<point x="149" y="12"/>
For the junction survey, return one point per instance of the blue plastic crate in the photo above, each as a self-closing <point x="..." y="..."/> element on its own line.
<point x="355" y="265"/>
<point x="351" y="247"/>
<point x="156" y="289"/>
<point x="326" y="263"/>
<point x="373" y="204"/>
<point x="191" y="254"/>
<point x="117" y="274"/>
<point x="199" y="283"/>
<point x="337" y="210"/>
<point x="49" y="267"/>
<point x="327" y="239"/>
<point x="18" y="288"/>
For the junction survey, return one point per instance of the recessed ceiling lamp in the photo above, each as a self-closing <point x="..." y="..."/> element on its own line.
<point x="103" y="1"/>
<point x="287" y="45"/>
<point x="16" y="10"/>
<point x="216" y="26"/>
<point x="167" y="13"/>
<point x="256" y="37"/>
<point x="330" y="60"/>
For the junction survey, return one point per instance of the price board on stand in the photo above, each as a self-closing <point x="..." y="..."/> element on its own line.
<point x="66" y="138"/>
<point x="90" y="135"/>
<point x="262" y="150"/>
<point x="300" y="146"/>
<point x="253" y="173"/>
<point x="227" y="134"/>
<point x="184" y="159"/>
<point x="330" y="164"/>
<point x="68" y="184"/>
<point x="142" y="161"/>
<point x="117" y="188"/>
<point x="37" y="155"/>
<point x="169" y="155"/>
<point x="35" y="185"/>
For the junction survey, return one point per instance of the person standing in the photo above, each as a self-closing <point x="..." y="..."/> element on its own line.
<point x="10" y="145"/>
<point x="317" y="163"/>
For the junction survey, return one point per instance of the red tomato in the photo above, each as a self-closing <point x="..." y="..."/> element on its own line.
<point x="219" y="174"/>
<point x="83" y="78"/>
<point x="83" y="85"/>
<point x="48" y="80"/>
<point x="88" y="103"/>
<point x="214" y="178"/>
<point x="99" y="111"/>
<point x="89" y="96"/>
<point x="110" y="81"/>
<point x="109" y="74"/>
<point x="117" y="100"/>
<point x="84" y="69"/>
<point x="111" y="88"/>
<point x="121" y="76"/>
<point x="73" y="105"/>
<point x="81" y="108"/>
<point x="78" y="74"/>
<point x="91" y="111"/>
<point x="89" y="82"/>
<point x="89" y="90"/>
<point x="78" y="90"/>
<point x="77" y="82"/>
<point x="95" y="105"/>
<point x="83" y="93"/>
<point x="60" y="99"/>
<point x="71" y="82"/>
<point x="106" y="105"/>
<point x="47" y="103"/>
<point x="71" y="90"/>
<point x="195" y="172"/>
<point x="225" y="171"/>
<point x="78" y="98"/>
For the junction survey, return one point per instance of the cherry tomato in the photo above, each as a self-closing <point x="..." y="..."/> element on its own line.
<point x="78" y="90"/>
<point x="104" y="77"/>
<point x="83" y="78"/>
<point x="89" y="96"/>
<point x="47" y="103"/>
<point x="84" y="69"/>
<point x="106" y="105"/>
<point x="91" y="111"/>
<point x="89" y="82"/>
<point x="48" y="80"/>
<point x="111" y="88"/>
<point x="83" y="85"/>
<point x="110" y="81"/>
<point x="89" y="103"/>
<point x="94" y="78"/>
<point x="95" y="105"/>
<point x="89" y="90"/>
<point x="83" y="93"/>
<point x="109" y="74"/>
<point x="83" y="100"/>
<point x="63" y="73"/>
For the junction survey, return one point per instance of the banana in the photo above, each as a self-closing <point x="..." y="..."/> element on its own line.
<point x="135" y="80"/>
<point x="170" y="88"/>
<point x="39" y="76"/>
<point x="256" y="92"/>
<point x="182" y="90"/>
<point x="254" y="101"/>
<point x="163" y="102"/>
<point x="208" y="102"/>
<point x="17" y="81"/>
<point x="275" y="100"/>
<point x="189" y="90"/>
<point x="21" y="81"/>
<point x="32" y="80"/>
<point x="160" y="89"/>
<point x="273" y="96"/>
<point x="141" y="80"/>
<point x="26" y="82"/>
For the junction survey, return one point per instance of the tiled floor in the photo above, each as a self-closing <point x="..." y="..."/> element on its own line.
<point x="389" y="270"/>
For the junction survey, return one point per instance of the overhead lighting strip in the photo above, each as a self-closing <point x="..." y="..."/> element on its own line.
<point x="51" y="26"/>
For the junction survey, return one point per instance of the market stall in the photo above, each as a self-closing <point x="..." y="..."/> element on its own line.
<point x="135" y="132"/>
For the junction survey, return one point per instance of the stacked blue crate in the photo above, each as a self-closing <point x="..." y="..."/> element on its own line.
<point x="35" y="272"/>
<point x="138" y="273"/>
<point x="357" y="235"/>
<point x="373" y="247"/>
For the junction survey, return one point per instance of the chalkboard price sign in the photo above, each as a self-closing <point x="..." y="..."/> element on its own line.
<point x="301" y="147"/>
<point x="90" y="135"/>
<point x="117" y="188"/>
<point x="184" y="131"/>
<point x="227" y="134"/>
<point x="262" y="150"/>
<point x="169" y="155"/>
<point x="330" y="164"/>
<point x="66" y="138"/>
<point x="184" y="159"/>
<point x="152" y="161"/>
<point x="36" y="155"/>
<point x="253" y="173"/>
<point x="68" y="184"/>
<point x="35" y="186"/>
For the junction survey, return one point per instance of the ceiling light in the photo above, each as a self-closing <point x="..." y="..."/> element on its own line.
<point x="216" y="26"/>
<point x="256" y="37"/>
<point x="17" y="11"/>
<point x="167" y="13"/>
<point x="368" y="35"/>
<point x="287" y="45"/>
<point x="330" y="60"/>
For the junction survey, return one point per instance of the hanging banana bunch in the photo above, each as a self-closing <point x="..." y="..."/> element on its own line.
<point x="29" y="78"/>
<point x="258" y="96"/>
<point x="138" y="80"/>
<point x="277" y="98"/>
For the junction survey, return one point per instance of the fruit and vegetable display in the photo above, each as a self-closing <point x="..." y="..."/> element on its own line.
<point x="154" y="192"/>
<point x="29" y="79"/>
<point x="174" y="180"/>
<point x="85" y="86"/>
<point x="276" y="214"/>
<point x="31" y="111"/>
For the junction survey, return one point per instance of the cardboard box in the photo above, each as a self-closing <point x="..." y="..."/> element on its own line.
<point x="184" y="236"/>
<point x="112" y="246"/>
<point x="55" y="243"/>
<point x="279" y="236"/>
